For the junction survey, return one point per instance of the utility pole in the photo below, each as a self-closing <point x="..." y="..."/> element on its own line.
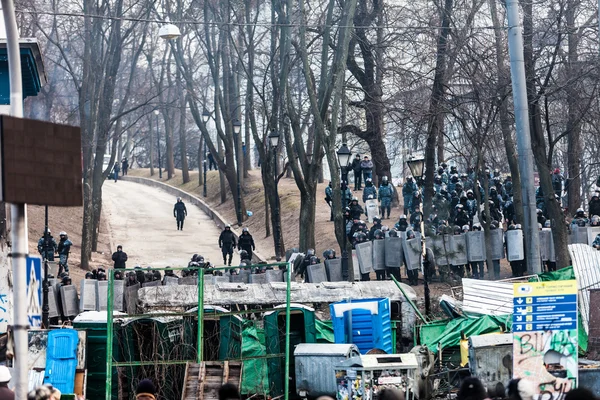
<point x="517" y="73"/>
<point x="18" y="214"/>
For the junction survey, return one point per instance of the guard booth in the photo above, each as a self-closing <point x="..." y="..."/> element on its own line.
<point x="302" y="330"/>
<point x="364" y="376"/>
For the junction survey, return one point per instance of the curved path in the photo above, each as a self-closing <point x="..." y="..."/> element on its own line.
<point x="141" y="220"/>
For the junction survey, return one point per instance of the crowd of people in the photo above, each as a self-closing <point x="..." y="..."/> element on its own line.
<point x="458" y="207"/>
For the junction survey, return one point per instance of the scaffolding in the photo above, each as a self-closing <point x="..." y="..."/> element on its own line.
<point x="199" y="355"/>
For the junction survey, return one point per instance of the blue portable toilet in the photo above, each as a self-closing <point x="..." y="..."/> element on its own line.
<point x="365" y="323"/>
<point x="61" y="359"/>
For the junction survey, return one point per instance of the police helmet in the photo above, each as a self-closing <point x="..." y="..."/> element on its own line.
<point x="62" y="233"/>
<point x="310" y="252"/>
<point x="402" y="217"/>
<point x="378" y="234"/>
<point x="393" y="233"/>
<point x="355" y="198"/>
<point x="245" y="230"/>
<point x="243" y="254"/>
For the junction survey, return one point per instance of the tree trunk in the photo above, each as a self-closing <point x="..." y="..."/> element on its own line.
<point x="151" y="139"/>
<point x="222" y="185"/>
<point x="185" y="173"/>
<point x="435" y="106"/>
<point x="201" y="165"/>
<point x="538" y="144"/>
<point x="169" y="145"/>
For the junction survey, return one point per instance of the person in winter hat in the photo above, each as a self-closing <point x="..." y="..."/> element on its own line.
<point x="145" y="390"/>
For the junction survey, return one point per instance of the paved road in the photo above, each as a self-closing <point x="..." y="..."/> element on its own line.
<point x="141" y="220"/>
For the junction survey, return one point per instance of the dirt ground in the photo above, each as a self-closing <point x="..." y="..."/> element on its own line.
<point x="68" y="219"/>
<point x="290" y="212"/>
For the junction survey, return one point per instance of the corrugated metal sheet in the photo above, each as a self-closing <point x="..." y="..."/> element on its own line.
<point x="315" y="362"/>
<point x="586" y="265"/>
<point x="482" y="297"/>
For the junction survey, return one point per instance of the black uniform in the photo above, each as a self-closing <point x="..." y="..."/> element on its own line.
<point x="246" y="242"/>
<point x="179" y="212"/>
<point x="227" y="244"/>
<point x="119" y="257"/>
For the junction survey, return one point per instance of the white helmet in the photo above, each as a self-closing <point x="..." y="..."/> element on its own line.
<point x="62" y="233"/>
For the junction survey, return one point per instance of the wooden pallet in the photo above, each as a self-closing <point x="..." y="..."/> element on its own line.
<point x="202" y="381"/>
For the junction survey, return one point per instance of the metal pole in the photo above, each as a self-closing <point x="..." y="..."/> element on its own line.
<point x="345" y="268"/>
<point x="239" y="187"/>
<point x="109" y="334"/>
<point x="426" y="266"/>
<point x="18" y="214"/>
<point x="517" y="72"/>
<point x="287" y="329"/>
<point x="45" y="305"/>
<point x="204" y="164"/>
<point x="277" y="228"/>
<point x="200" y="344"/>
<point x="158" y="146"/>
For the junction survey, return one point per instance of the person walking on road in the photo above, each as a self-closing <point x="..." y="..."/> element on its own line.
<point x="179" y="212"/>
<point x="116" y="170"/>
<point x="227" y="244"/>
<point x="119" y="257"/>
<point x="246" y="242"/>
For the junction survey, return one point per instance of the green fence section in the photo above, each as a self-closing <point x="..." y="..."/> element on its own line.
<point x="238" y="339"/>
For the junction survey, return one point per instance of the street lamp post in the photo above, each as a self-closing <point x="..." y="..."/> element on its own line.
<point x="416" y="169"/>
<point x="158" y="146"/>
<point x="205" y="118"/>
<point x="46" y="283"/>
<point x="344" y="155"/>
<point x="237" y="128"/>
<point x="274" y="142"/>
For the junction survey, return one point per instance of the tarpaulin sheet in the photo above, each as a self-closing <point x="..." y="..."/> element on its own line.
<point x="451" y="335"/>
<point x="255" y="373"/>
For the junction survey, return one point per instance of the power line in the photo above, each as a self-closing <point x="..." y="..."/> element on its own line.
<point x="242" y="24"/>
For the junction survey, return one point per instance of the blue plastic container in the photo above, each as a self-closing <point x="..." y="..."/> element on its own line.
<point x="365" y="323"/>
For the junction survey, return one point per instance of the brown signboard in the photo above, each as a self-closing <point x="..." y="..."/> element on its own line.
<point x="40" y="163"/>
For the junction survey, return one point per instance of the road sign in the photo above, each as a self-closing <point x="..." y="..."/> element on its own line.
<point x="34" y="291"/>
<point x="545" y="335"/>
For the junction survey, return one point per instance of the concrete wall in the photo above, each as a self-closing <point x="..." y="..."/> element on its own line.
<point x="217" y="218"/>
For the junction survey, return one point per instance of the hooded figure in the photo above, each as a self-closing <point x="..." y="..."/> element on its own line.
<point x="179" y="212"/>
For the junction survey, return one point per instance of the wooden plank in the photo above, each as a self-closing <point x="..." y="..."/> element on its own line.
<point x="225" y="372"/>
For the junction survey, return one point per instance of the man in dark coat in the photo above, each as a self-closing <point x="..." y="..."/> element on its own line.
<point x="179" y="212"/>
<point x="227" y="244"/>
<point x="246" y="242"/>
<point x="119" y="257"/>
<point x="355" y="166"/>
<point x="124" y="166"/>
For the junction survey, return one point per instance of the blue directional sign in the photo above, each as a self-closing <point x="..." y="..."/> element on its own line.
<point x="545" y="308"/>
